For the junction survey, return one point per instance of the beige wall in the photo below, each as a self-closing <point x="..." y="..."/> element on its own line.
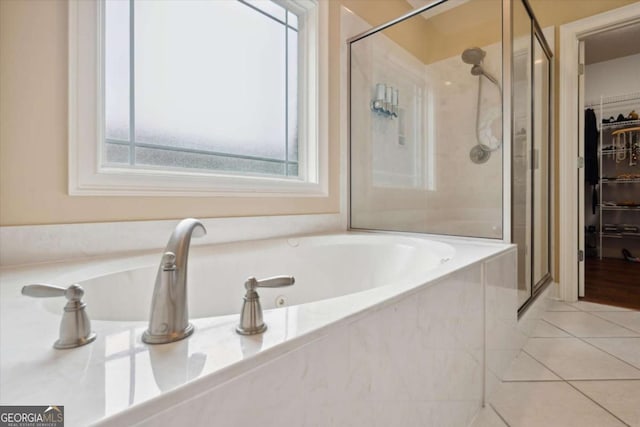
<point x="33" y="134"/>
<point x="412" y="34"/>
<point x="477" y="23"/>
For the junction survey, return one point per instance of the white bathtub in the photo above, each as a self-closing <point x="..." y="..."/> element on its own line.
<point x="372" y="318"/>
<point x="324" y="267"/>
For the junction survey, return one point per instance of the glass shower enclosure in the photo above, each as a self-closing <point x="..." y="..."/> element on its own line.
<point x="436" y="144"/>
<point x="426" y="123"/>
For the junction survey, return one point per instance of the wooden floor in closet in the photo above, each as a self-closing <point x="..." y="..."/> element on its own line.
<point x="612" y="281"/>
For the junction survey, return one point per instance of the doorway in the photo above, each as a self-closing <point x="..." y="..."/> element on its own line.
<point x="571" y="232"/>
<point x="609" y="182"/>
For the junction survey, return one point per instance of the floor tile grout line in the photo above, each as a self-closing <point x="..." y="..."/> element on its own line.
<point x="626" y="310"/>
<point x="583" y="339"/>
<point x="612" y="322"/>
<point x="619" y="309"/>
<point x="637" y="334"/>
<point x="597" y="403"/>
<point x="568" y="306"/>
<point x="581" y="379"/>
<point x="556" y="326"/>
<point x="541" y="364"/>
<point x="606" y="352"/>
<point x="559" y="338"/>
<point x="611" y="336"/>
<point x="608" y="311"/>
<point x="550" y="370"/>
<point x="576" y="336"/>
<point x="563" y="311"/>
<point x="616" y="323"/>
<point x="562" y="379"/>
<point x="575" y="388"/>
<point x="608" y="379"/>
<point x="598" y="337"/>
<point x="499" y="415"/>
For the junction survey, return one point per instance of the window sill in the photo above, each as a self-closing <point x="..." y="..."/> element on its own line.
<point x="126" y="182"/>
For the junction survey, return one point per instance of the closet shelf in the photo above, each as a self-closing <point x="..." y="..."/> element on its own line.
<point x="616" y="139"/>
<point x="620" y="181"/>
<point x="620" y="235"/>
<point x="620" y="151"/>
<point x="615" y="125"/>
<point x="620" y="208"/>
<point x="615" y="99"/>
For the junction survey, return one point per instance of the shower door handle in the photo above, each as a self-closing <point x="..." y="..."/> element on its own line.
<point x="535" y="158"/>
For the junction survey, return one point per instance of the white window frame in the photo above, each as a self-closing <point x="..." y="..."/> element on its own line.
<point x="87" y="175"/>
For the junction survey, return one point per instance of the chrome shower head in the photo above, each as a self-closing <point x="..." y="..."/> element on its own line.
<point x="473" y="55"/>
<point x="477" y="70"/>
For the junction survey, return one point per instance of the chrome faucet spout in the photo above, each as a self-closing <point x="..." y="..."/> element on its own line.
<point x="169" y="318"/>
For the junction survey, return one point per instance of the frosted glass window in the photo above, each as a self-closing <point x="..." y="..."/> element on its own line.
<point x="117" y="71"/>
<point x="207" y="85"/>
<point x="269" y="7"/>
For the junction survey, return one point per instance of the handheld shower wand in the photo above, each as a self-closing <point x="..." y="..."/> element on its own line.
<point x="474" y="56"/>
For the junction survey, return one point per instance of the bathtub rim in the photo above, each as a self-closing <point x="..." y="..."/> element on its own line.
<point x="440" y="250"/>
<point x="209" y="380"/>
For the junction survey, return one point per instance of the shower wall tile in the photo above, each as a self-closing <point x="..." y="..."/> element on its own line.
<point x="468" y="196"/>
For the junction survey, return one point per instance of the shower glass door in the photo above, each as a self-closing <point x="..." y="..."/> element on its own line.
<point x="522" y="136"/>
<point x="541" y="182"/>
<point x="531" y="152"/>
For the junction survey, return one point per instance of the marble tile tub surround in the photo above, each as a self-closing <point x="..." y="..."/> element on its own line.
<point x="415" y="362"/>
<point x="302" y="361"/>
<point x="586" y="375"/>
<point x="46" y="243"/>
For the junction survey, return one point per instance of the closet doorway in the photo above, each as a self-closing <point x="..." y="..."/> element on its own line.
<point x="609" y="182"/>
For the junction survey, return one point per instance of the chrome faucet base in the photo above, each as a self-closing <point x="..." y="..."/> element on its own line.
<point x="149" y="338"/>
<point x="255" y="331"/>
<point x="75" y="326"/>
<point x="251" y="322"/>
<point x="79" y="342"/>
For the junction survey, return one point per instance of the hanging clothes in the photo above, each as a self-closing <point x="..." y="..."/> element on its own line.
<point x="591" y="154"/>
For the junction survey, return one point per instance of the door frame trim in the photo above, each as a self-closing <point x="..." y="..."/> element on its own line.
<point x="570" y="34"/>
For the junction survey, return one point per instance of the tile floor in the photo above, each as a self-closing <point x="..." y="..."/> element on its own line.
<point x="581" y="367"/>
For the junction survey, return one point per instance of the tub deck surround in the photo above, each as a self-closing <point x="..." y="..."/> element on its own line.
<point x="327" y="358"/>
<point x="51" y="243"/>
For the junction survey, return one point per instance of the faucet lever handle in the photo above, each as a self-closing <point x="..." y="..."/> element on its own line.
<point x="75" y="326"/>
<point x="271" y="282"/>
<point x="41" y="290"/>
<point x="251" y="322"/>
